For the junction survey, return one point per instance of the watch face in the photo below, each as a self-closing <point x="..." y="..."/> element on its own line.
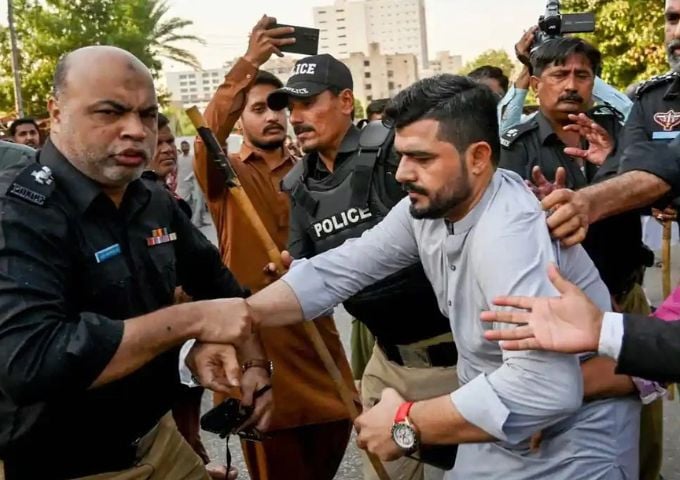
<point x="404" y="436"/>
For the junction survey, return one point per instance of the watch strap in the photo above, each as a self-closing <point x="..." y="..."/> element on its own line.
<point x="403" y="411"/>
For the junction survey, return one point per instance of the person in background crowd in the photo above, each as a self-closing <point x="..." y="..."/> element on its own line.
<point x="25" y="131"/>
<point x="492" y="77"/>
<point x="310" y="426"/>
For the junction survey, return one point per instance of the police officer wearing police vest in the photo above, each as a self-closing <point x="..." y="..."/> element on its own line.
<point x="342" y="187"/>
<point x="91" y="255"/>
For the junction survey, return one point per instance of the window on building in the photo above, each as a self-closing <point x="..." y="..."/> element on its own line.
<point x="183" y="90"/>
<point x="390" y="85"/>
<point x="321" y="12"/>
<point x="185" y="98"/>
<point x="342" y="44"/>
<point x="390" y="74"/>
<point x="205" y="74"/>
<point x="367" y="63"/>
<point x="369" y="98"/>
<point x="340" y="19"/>
<point x="182" y="77"/>
<point x="339" y="10"/>
<point x="367" y="74"/>
<point x="322" y="21"/>
<point x="367" y="86"/>
<point x="341" y="28"/>
<point x="342" y="36"/>
<point x="215" y="74"/>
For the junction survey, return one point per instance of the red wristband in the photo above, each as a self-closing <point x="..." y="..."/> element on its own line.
<point x="402" y="412"/>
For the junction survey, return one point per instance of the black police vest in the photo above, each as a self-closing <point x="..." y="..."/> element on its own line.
<point x="401" y="308"/>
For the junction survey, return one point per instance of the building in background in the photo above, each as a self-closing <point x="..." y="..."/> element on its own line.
<point x="377" y="75"/>
<point x="348" y="27"/>
<point x="193" y="87"/>
<point x="444" y="62"/>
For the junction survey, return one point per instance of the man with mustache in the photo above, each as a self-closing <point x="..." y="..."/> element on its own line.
<point x="91" y="255"/>
<point x="555" y="140"/>
<point x="310" y="426"/>
<point x="25" y="131"/>
<point x="344" y="185"/>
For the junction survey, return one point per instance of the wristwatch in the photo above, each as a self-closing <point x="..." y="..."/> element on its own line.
<point x="404" y="433"/>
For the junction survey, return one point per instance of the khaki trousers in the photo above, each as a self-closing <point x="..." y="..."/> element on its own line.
<point x="165" y="456"/>
<point x="413" y="384"/>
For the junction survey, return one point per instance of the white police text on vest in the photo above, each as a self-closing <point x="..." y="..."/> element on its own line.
<point x="340" y="221"/>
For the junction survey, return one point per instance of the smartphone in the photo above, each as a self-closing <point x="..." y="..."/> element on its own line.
<point x="306" y="40"/>
<point x="226" y="417"/>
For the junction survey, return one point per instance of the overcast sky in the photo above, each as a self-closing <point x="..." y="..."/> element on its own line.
<point x="465" y="27"/>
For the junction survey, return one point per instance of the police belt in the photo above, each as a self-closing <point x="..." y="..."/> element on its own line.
<point x="439" y="351"/>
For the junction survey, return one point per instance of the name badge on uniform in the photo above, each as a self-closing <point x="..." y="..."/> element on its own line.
<point x="159" y="236"/>
<point x="664" y="135"/>
<point x="108" y="252"/>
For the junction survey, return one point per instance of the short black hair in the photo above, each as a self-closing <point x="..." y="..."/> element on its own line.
<point x="489" y="71"/>
<point x="465" y="110"/>
<point x="556" y="51"/>
<point x="377" y="107"/>
<point x="183" y="142"/>
<point x="22" y="121"/>
<point x="266" y="78"/>
<point x="162" y="121"/>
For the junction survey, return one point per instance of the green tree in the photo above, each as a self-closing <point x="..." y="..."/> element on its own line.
<point x="47" y="29"/>
<point x="179" y="121"/>
<point x="629" y="33"/>
<point x="495" y="58"/>
<point x="359" y="111"/>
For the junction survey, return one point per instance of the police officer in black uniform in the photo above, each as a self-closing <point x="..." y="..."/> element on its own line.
<point x="91" y="255"/>
<point x="656" y="111"/>
<point x="564" y="71"/>
<point x="342" y="187"/>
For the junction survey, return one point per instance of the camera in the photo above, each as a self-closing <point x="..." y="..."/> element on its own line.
<point x="555" y="24"/>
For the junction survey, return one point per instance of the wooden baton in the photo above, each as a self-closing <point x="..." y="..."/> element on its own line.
<point x="246" y="207"/>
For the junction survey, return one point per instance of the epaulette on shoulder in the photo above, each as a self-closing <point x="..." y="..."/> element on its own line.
<point x="655" y="82"/>
<point x="512" y="134"/>
<point x="34" y="184"/>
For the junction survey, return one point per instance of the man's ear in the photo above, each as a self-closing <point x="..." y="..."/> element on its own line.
<point x="534" y="82"/>
<point x="347" y="101"/>
<point x="480" y="157"/>
<point x="55" y="114"/>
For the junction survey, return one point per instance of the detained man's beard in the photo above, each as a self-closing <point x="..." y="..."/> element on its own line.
<point x="673" y="59"/>
<point x="268" y="146"/>
<point x="442" y="203"/>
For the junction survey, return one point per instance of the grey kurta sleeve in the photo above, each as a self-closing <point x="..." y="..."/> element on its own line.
<point x="328" y="279"/>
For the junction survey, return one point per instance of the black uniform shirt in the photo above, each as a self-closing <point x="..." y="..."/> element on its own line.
<point x="535" y="143"/>
<point x="72" y="267"/>
<point x="614" y="244"/>
<point x="656" y="112"/>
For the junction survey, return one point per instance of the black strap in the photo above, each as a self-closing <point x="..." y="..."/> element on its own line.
<point x="302" y="196"/>
<point x="363" y="175"/>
